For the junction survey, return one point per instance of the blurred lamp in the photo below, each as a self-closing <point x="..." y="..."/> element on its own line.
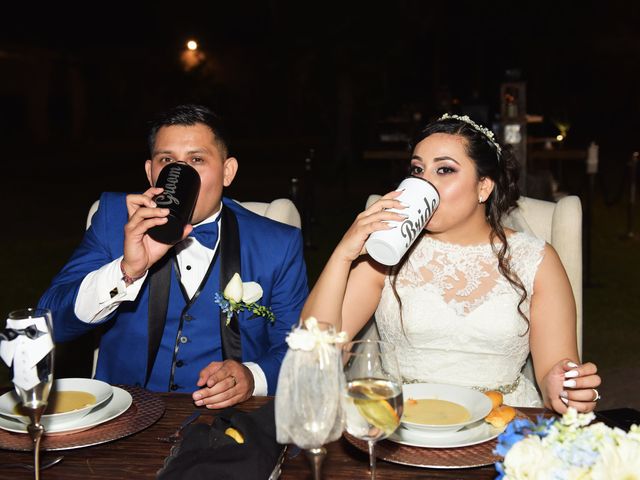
<point x="191" y="57"/>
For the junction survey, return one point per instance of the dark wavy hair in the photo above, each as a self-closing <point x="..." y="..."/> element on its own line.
<point x="500" y="166"/>
<point x="189" y="115"/>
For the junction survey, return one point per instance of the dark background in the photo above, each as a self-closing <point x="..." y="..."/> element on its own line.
<point x="79" y="81"/>
<point x="322" y="75"/>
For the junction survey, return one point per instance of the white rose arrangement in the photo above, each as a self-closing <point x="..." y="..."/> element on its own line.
<point x="239" y="296"/>
<point x="568" y="448"/>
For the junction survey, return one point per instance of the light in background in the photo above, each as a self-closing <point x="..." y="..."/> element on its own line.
<point x="191" y="56"/>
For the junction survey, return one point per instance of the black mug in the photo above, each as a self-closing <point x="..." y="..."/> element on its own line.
<point x="181" y="184"/>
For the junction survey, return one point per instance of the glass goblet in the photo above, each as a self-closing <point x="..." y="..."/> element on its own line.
<point x="373" y="393"/>
<point x="31" y="329"/>
<point x="308" y="406"/>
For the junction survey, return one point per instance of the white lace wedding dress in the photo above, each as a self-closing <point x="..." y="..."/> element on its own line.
<point x="460" y="324"/>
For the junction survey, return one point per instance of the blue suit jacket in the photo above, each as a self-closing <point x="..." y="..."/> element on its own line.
<point x="271" y="254"/>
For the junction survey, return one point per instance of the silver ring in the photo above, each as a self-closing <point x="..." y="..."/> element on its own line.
<point x="235" y="382"/>
<point x="597" y="395"/>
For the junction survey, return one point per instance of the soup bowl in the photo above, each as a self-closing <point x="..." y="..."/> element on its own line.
<point x="99" y="393"/>
<point x="476" y="403"/>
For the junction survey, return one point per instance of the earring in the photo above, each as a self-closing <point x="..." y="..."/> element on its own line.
<point x="480" y="199"/>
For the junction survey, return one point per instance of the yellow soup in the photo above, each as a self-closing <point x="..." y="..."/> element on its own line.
<point x="64" y="401"/>
<point x="434" y="412"/>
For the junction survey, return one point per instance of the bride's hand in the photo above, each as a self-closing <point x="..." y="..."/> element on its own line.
<point x="372" y="219"/>
<point x="570" y="385"/>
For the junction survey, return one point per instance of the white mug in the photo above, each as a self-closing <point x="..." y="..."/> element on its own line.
<point x="422" y="199"/>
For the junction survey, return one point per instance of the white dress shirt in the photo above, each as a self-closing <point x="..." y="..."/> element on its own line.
<point x="103" y="290"/>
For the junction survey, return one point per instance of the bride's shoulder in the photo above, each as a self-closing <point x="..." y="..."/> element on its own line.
<point x="526" y="249"/>
<point x="517" y="238"/>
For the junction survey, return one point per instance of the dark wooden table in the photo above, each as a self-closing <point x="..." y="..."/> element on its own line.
<point x="141" y="455"/>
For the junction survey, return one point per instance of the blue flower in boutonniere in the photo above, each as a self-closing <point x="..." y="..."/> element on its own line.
<point x="239" y="296"/>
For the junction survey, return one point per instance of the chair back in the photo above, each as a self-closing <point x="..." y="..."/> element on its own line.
<point x="281" y="210"/>
<point x="559" y="224"/>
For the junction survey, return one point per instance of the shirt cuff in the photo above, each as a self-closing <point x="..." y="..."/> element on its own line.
<point x="260" y="387"/>
<point x="102" y="291"/>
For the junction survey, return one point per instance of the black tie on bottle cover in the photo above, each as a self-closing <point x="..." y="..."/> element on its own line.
<point x="159" y="286"/>
<point x="181" y="186"/>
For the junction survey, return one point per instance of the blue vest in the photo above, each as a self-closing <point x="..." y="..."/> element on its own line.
<point x="192" y="331"/>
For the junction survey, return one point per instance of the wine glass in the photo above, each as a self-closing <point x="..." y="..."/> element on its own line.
<point x="31" y="329"/>
<point x="308" y="408"/>
<point x="373" y="393"/>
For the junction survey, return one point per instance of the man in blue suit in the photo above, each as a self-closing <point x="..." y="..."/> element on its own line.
<point x="161" y="327"/>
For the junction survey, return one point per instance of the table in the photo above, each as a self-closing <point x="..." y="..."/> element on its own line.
<point x="141" y="455"/>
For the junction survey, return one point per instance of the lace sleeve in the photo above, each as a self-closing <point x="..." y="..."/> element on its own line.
<point x="526" y="252"/>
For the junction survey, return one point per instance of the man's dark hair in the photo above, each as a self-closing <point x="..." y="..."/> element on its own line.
<point x="188" y="115"/>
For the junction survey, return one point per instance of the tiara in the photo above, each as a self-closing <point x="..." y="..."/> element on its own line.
<point x="484" y="130"/>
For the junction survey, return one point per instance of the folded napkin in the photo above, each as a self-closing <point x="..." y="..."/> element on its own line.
<point x="206" y="452"/>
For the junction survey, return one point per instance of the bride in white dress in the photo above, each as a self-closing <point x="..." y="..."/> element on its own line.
<point x="471" y="299"/>
<point x="460" y="322"/>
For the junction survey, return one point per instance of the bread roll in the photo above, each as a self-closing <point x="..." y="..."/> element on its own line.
<point x="499" y="417"/>
<point x="495" y="397"/>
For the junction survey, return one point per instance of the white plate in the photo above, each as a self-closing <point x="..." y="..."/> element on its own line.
<point x="100" y="390"/>
<point x="478" y="432"/>
<point x="477" y="403"/>
<point x="119" y="403"/>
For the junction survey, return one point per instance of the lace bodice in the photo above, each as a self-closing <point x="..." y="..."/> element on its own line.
<point x="460" y="322"/>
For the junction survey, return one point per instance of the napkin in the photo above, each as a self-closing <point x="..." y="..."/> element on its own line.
<point x="206" y="452"/>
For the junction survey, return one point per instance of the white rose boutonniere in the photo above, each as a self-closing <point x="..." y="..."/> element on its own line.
<point x="239" y="296"/>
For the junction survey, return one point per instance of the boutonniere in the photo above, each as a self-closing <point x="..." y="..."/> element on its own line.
<point x="239" y="296"/>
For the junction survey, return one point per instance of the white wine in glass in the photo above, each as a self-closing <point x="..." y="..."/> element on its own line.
<point x="373" y="394"/>
<point x="33" y="353"/>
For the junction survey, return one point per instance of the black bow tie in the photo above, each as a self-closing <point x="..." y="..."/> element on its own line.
<point x="9" y="334"/>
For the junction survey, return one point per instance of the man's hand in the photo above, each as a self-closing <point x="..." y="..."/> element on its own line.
<point x="225" y="384"/>
<point x="140" y="250"/>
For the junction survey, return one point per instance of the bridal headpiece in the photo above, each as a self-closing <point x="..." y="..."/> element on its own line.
<point x="483" y="130"/>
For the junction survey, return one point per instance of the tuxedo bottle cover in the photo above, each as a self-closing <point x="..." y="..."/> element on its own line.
<point x="181" y="184"/>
